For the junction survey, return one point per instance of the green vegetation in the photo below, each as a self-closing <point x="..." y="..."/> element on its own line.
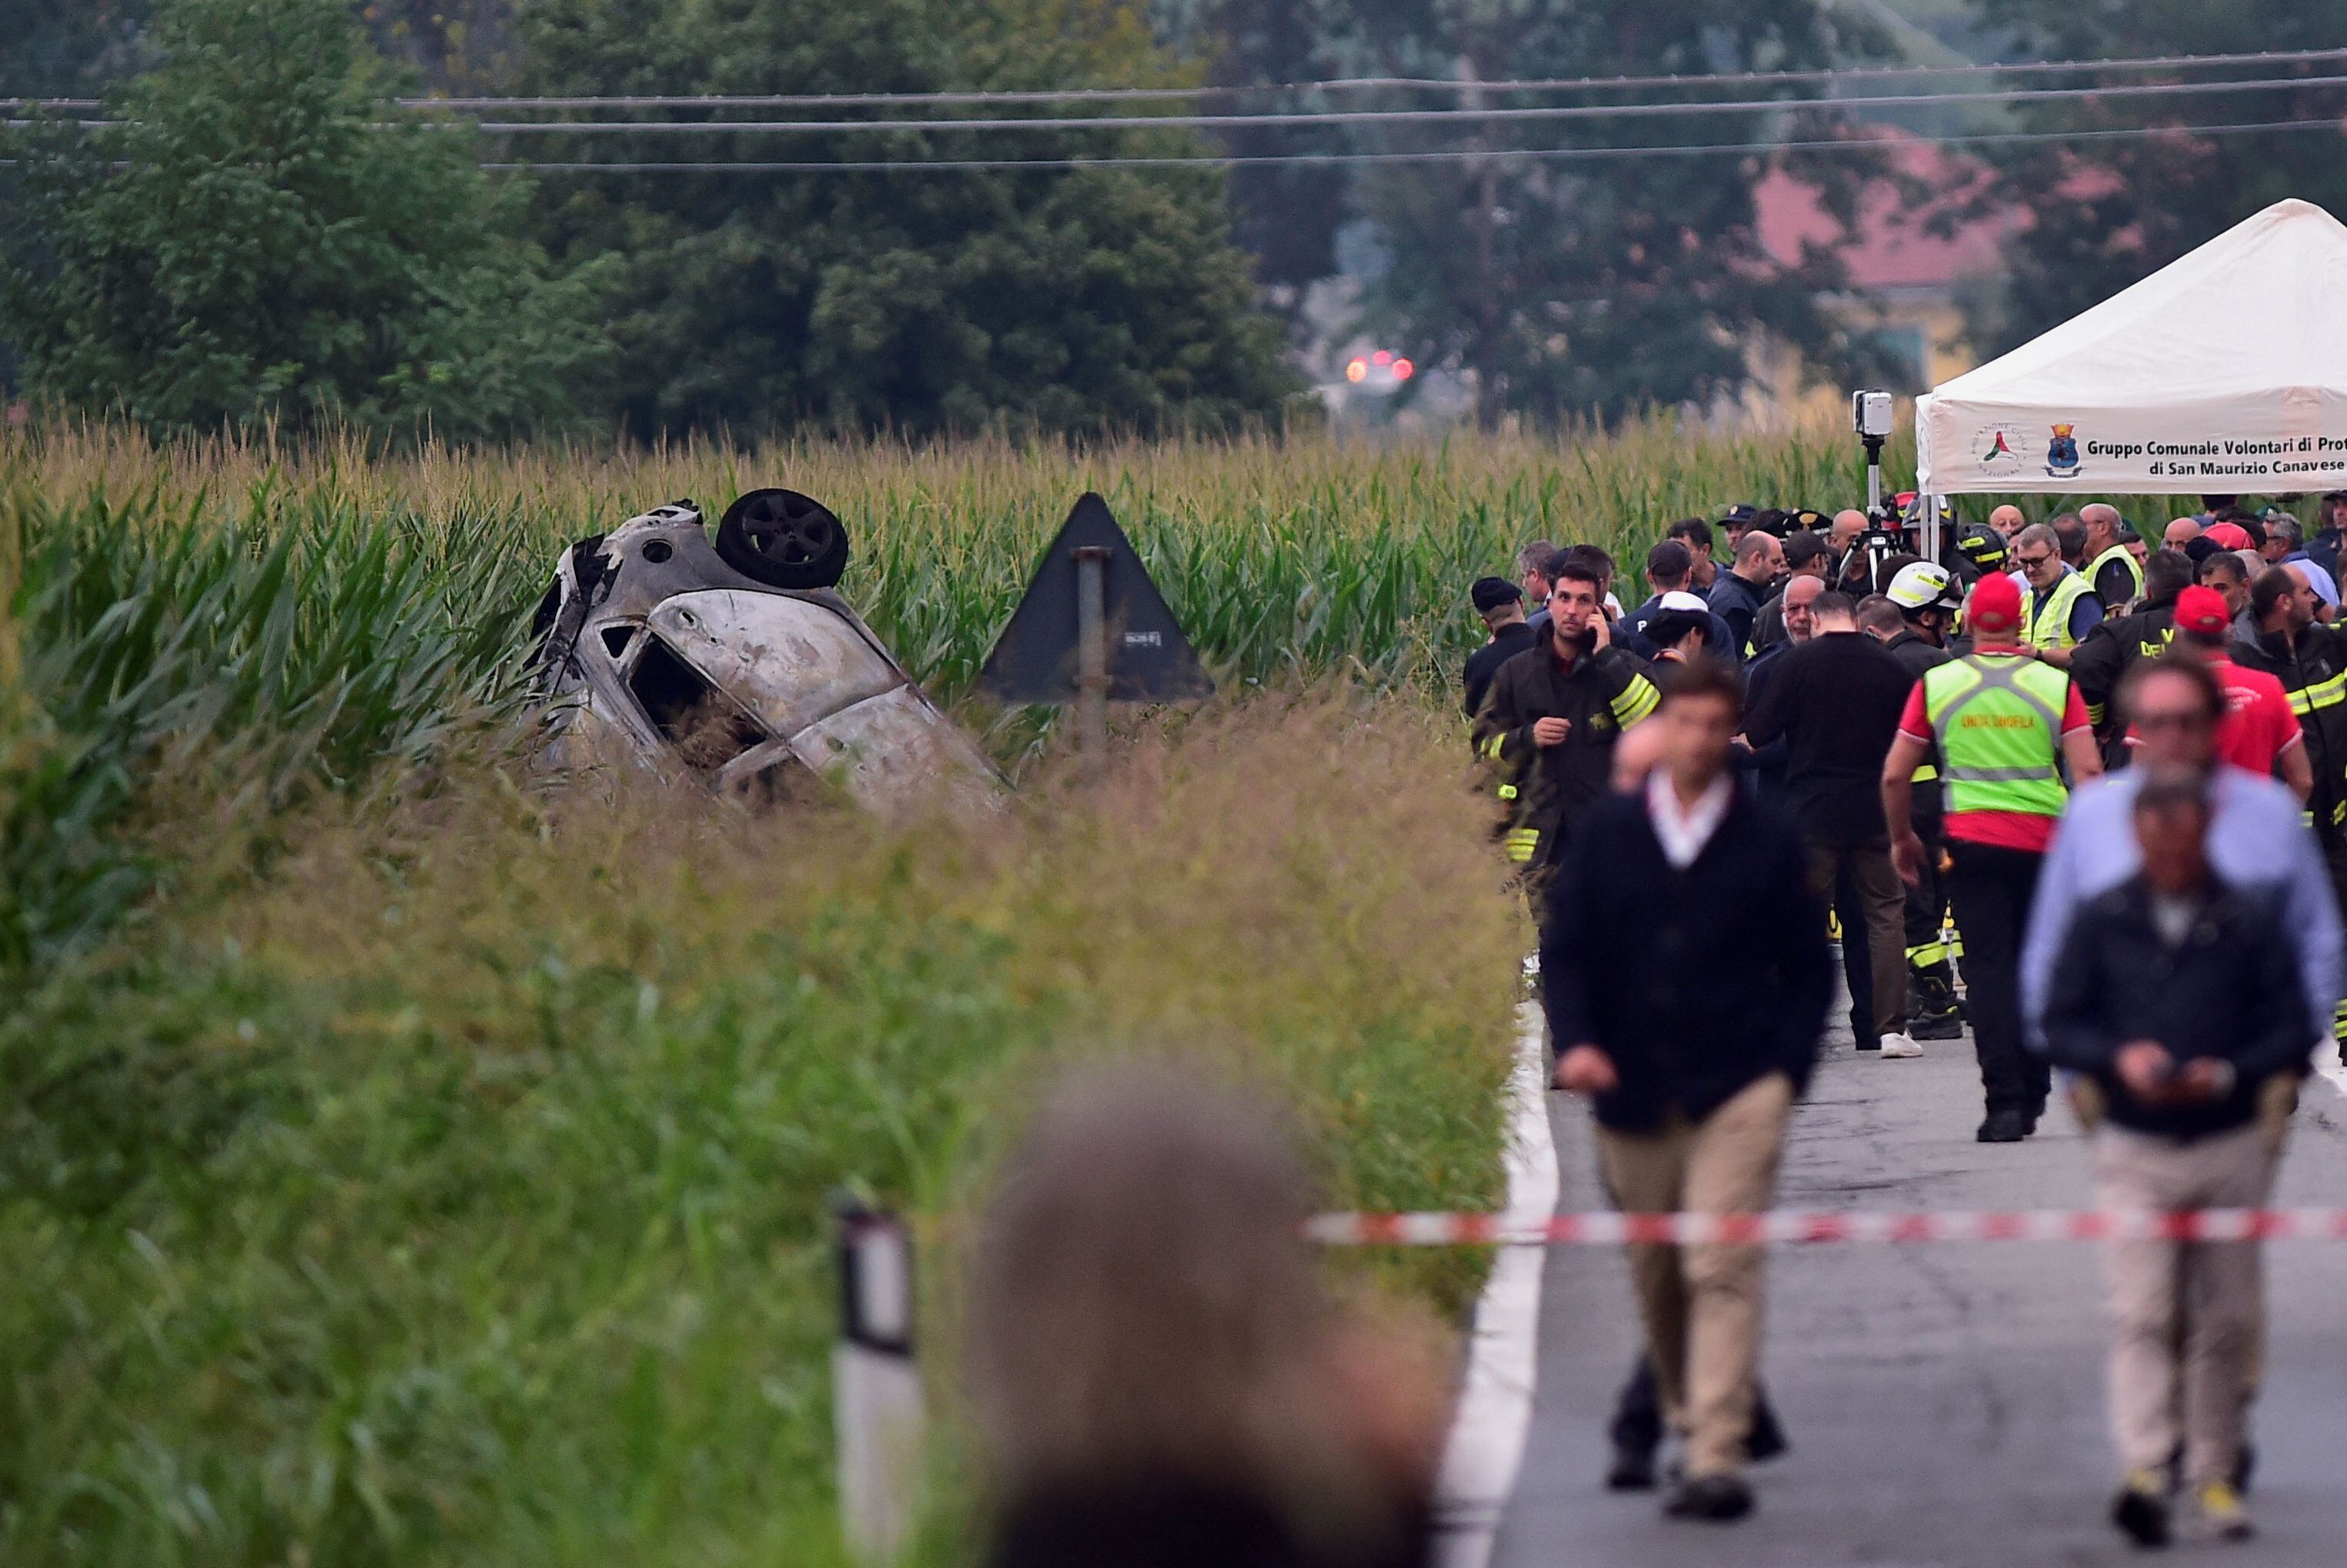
<point x="405" y="1161"/>
<point x="254" y="244"/>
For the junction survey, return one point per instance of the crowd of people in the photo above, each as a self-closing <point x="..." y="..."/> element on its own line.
<point x="2080" y="796"/>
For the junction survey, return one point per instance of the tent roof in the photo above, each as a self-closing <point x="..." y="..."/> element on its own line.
<point x="2256" y="316"/>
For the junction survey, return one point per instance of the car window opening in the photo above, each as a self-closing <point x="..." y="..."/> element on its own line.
<point x="706" y="728"/>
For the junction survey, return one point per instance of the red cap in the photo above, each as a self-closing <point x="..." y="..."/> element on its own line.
<point x="2228" y="536"/>
<point x="2202" y="611"/>
<point x="1996" y="604"/>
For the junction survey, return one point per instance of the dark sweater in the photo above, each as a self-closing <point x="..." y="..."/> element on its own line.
<point x="1485" y="661"/>
<point x="1696" y="983"/>
<point x="2230" y="989"/>
<point x="1836" y="700"/>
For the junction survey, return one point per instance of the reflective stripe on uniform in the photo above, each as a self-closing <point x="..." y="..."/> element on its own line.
<point x="1926" y="774"/>
<point x="1635" y="700"/>
<point x="2322" y="694"/>
<point x="1924" y="955"/>
<point x="1495" y="745"/>
<point x="1521" y="842"/>
<point x="1507" y="792"/>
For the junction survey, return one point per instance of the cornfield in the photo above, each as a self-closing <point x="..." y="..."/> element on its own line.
<point x="404" y="1162"/>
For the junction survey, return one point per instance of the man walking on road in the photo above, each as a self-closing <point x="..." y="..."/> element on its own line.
<point x="1553" y="716"/>
<point x="1836" y="700"/>
<point x="2176" y="996"/>
<point x="2003" y="723"/>
<point x="1691" y="1098"/>
<point x="2257" y="839"/>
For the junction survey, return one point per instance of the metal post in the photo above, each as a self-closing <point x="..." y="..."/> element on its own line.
<point x="1091" y="652"/>
<point x="876" y="1387"/>
<point x="1873" y="480"/>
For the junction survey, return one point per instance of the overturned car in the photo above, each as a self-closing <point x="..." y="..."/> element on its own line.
<point x="735" y="662"/>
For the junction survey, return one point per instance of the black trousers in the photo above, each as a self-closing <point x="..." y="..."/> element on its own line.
<point x="1857" y="967"/>
<point x="1991" y="889"/>
<point x="1927" y="901"/>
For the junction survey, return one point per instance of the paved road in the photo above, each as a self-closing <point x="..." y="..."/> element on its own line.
<point x="1945" y="1402"/>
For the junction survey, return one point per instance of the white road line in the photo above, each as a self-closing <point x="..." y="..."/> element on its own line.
<point x="1486" y="1449"/>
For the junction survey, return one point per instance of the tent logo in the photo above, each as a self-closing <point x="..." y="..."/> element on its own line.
<point x="2062" y="452"/>
<point x="1993" y="447"/>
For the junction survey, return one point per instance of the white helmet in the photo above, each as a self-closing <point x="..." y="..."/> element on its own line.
<point x="1925" y="585"/>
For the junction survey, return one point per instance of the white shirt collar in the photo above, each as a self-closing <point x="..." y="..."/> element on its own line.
<point x="1684" y="833"/>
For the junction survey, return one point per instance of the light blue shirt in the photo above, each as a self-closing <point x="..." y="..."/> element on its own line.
<point x="2258" y="841"/>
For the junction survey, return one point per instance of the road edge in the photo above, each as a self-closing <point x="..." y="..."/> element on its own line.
<point x="1486" y="1447"/>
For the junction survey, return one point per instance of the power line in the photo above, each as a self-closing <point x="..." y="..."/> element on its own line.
<point x="1545" y="155"/>
<point x="1540" y="113"/>
<point x="1342" y="84"/>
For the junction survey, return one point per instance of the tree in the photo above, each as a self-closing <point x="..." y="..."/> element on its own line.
<point x="2103" y="214"/>
<point x="918" y="301"/>
<point x="263" y="237"/>
<point x="1599" y="286"/>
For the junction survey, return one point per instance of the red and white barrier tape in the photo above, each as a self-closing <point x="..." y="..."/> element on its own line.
<point x="1793" y="1226"/>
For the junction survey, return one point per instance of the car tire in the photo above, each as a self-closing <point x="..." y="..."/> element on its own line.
<point x="783" y="539"/>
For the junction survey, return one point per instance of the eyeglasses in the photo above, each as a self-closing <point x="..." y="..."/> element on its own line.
<point x="2034" y="560"/>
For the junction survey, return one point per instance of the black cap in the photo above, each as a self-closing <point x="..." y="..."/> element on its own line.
<point x="1743" y="512"/>
<point x="1491" y="592"/>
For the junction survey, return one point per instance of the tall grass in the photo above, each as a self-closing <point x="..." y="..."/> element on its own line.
<point x="456" y="1195"/>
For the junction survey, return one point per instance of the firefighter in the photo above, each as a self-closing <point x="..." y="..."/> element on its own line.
<point x="2119" y="643"/>
<point x="2309" y="659"/>
<point x="1926" y="598"/>
<point x="1553" y="717"/>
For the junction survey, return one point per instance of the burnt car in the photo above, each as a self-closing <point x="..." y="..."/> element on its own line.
<point x="734" y="661"/>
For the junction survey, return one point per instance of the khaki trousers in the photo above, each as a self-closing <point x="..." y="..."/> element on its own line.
<point x="1702" y="1305"/>
<point x="1884" y="898"/>
<point x="2187" y="1316"/>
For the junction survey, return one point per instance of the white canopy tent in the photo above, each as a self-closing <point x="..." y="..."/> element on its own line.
<point x="2225" y="372"/>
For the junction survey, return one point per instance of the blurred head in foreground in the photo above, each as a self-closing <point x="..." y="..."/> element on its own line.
<point x="1160" y="1376"/>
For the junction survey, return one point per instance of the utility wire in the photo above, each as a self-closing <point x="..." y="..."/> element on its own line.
<point x="1537" y="114"/>
<point x="1543" y="155"/>
<point x="1343" y="85"/>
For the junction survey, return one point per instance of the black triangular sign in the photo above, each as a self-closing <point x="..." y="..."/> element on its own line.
<point x="1149" y="659"/>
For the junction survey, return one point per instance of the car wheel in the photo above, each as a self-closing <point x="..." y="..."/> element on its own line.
<point x="783" y="539"/>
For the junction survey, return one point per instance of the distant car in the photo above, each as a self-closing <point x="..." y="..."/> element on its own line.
<point x="736" y="664"/>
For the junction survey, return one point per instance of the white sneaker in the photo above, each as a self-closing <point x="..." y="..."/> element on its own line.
<point x="1901" y="1047"/>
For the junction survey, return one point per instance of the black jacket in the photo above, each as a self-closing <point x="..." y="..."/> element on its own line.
<point x="1836" y="699"/>
<point x="1485" y="661"/>
<point x="1602" y="695"/>
<point x="2230" y="990"/>
<point x="1919" y="658"/>
<point x="1737" y="601"/>
<point x="2313" y="670"/>
<point x="1697" y="983"/>
<point x="2105" y="655"/>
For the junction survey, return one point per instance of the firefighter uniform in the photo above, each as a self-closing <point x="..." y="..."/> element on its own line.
<point x="1546" y="789"/>
<point x="1931" y="976"/>
<point x="2105" y="655"/>
<point x="2313" y="672"/>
